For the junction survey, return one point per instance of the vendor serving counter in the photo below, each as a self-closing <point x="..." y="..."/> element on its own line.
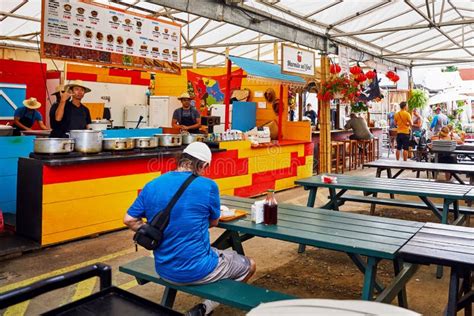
<point x="66" y="198"/>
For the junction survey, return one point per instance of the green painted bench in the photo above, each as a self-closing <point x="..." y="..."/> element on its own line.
<point x="229" y="292"/>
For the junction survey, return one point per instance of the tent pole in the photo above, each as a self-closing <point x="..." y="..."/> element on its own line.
<point x="227" y="93"/>
<point x="325" y="124"/>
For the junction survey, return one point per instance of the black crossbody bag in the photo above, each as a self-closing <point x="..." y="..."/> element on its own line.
<point x="150" y="235"/>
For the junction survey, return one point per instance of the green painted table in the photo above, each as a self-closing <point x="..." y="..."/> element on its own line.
<point x="359" y="236"/>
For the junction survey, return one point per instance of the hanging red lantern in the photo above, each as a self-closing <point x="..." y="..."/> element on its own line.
<point x="334" y="69"/>
<point x="370" y="74"/>
<point x="395" y="78"/>
<point x="390" y="74"/>
<point x="360" y="77"/>
<point x="355" y="70"/>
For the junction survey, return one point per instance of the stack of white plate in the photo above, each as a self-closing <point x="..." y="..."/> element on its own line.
<point x="444" y="145"/>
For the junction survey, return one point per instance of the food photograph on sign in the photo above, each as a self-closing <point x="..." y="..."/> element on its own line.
<point x="96" y="33"/>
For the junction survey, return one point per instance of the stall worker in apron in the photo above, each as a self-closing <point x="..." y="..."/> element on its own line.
<point x="186" y="118"/>
<point x="26" y="116"/>
<point x="71" y="114"/>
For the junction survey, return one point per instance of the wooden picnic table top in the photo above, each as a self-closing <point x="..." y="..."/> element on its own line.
<point x="441" y="244"/>
<point x="393" y="186"/>
<point x="454" y="152"/>
<point x="378" y="237"/>
<point x="420" y="166"/>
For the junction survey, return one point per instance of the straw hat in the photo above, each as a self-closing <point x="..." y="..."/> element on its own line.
<point x="76" y="83"/>
<point x="444" y="132"/>
<point x="31" y="103"/>
<point x="241" y="95"/>
<point x="184" y="95"/>
<point x="58" y="89"/>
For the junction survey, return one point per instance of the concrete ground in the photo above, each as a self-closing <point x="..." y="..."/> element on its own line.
<point x="317" y="273"/>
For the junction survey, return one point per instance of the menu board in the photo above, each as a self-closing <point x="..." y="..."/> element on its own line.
<point x="85" y="31"/>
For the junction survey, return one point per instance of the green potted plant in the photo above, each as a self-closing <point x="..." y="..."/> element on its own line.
<point x="359" y="107"/>
<point x="417" y="100"/>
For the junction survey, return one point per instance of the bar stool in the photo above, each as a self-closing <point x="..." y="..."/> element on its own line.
<point x="365" y="150"/>
<point x="376" y="148"/>
<point x="350" y="149"/>
<point x="338" y="156"/>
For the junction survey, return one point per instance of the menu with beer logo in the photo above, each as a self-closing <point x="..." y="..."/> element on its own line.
<point x="86" y="31"/>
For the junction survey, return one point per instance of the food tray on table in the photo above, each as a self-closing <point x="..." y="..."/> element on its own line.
<point x="238" y="214"/>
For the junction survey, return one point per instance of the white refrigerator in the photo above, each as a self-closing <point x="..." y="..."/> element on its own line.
<point x="219" y="110"/>
<point x="132" y="114"/>
<point x="161" y="110"/>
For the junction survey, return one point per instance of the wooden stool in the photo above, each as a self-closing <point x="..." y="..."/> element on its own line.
<point x="365" y="150"/>
<point x="350" y="149"/>
<point x="376" y="148"/>
<point x="338" y="156"/>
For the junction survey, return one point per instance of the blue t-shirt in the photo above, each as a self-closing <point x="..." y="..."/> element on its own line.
<point x="185" y="254"/>
<point x="25" y="112"/>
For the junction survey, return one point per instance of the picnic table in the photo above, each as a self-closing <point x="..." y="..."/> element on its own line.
<point x="468" y="153"/>
<point x="449" y="246"/>
<point x="401" y="166"/>
<point x="451" y="193"/>
<point x="357" y="235"/>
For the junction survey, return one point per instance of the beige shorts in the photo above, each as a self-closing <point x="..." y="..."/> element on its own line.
<point x="231" y="265"/>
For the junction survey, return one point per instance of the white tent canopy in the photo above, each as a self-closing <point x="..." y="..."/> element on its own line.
<point x="412" y="32"/>
<point x="447" y="97"/>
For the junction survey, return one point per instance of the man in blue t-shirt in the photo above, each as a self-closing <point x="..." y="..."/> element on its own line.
<point x="26" y="116"/>
<point x="185" y="255"/>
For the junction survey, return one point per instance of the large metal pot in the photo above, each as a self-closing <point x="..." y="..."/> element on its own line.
<point x="53" y="145"/>
<point x="87" y="141"/>
<point x="146" y="142"/>
<point x="170" y="140"/>
<point x="99" y="125"/>
<point x="118" y="144"/>
<point x="190" y="138"/>
<point x="6" y="130"/>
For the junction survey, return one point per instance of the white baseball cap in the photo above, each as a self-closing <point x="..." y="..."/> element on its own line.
<point x="200" y="151"/>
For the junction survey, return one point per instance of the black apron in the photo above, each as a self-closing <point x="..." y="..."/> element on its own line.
<point x="188" y="121"/>
<point x="28" y="122"/>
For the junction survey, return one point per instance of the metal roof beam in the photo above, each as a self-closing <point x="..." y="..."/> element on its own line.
<point x="437" y="59"/>
<point x="17" y="16"/>
<point x="405" y="28"/>
<point x="425" y="51"/>
<point x="235" y="44"/>
<point x="359" y="14"/>
<point x="437" y="28"/>
<point x="249" y="18"/>
<point x="322" y="9"/>
<point x="15" y="9"/>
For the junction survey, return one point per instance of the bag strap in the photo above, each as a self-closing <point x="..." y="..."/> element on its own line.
<point x="173" y="201"/>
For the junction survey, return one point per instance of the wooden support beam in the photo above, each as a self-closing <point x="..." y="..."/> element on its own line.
<point x="325" y="123"/>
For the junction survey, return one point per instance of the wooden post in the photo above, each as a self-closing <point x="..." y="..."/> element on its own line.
<point x="275" y="53"/>
<point x="194" y="58"/>
<point x="325" y="123"/>
<point x="280" y="114"/>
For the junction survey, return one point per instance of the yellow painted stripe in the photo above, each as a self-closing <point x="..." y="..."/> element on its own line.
<point x="87" y="69"/>
<point x="128" y="285"/>
<point x="22" y="283"/>
<point x="285" y="183"/>
<point x="269" y="162"/>
<point x="84" y="289"/>
<point x="234" y="182"/>
<point x="114" y="79"/>
<point x="67" y="191"/>
<point x="17" y="310"/>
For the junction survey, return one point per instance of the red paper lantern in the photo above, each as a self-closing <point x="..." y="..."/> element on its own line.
<point x="370" y="74"/>
<point x="334" y="69"/>
<point x="390" y="74"/>
<point x="395" y="78"/>
<point x="361" y="77"/>
<point x="355" y="70"/>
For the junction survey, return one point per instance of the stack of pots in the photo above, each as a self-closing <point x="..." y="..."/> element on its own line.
<point x="87" y="141"/>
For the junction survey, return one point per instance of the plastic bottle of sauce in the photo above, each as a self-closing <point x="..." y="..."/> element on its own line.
<point x="270" y="209"/>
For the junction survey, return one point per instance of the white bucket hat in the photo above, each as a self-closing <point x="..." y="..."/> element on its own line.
<point x="200" y="151"/>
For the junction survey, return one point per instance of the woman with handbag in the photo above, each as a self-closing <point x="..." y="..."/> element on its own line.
<point x="185" y="255"/>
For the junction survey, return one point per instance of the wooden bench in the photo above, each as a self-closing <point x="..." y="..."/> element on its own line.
<point x="229" y="292"/>
<point x="464" y="210"/>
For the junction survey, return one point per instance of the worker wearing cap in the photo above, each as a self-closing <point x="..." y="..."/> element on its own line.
<point x="186" y="118"/>
<point x="185" y="255"/>
<point x="70" y="113"/>
<point x="439" y="121"/>
<point x="26" y="116"/>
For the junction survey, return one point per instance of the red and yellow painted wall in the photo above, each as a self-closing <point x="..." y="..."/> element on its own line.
<point x="60" y="203"/>
<point x="109" y="75"/>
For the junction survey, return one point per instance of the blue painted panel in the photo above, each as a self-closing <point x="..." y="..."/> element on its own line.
<point x="11" y="97"/>
<point x="8" y="207"/>
<point x="244" y="115"/>
<point x="8" y="191"/>
<point x="16" y="146"/>
<point x="8" y="167"/>
<point x="131" y="132"/>
<point x="11" y="148"/>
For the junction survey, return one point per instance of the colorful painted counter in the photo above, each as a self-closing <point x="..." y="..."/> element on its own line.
<point x="68" y="198"/>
